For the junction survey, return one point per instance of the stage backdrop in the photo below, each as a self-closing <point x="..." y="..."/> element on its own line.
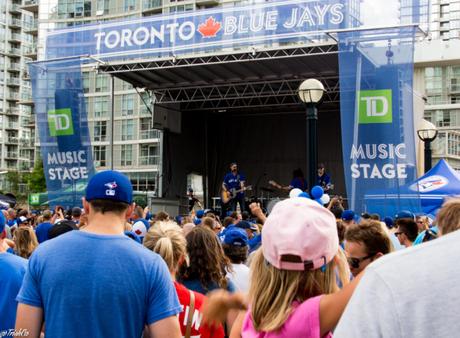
<point x="376" y="101"/>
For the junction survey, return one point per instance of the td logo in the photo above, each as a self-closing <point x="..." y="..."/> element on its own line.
<point x="375" y="106"/>
<point x="60" y="122"/>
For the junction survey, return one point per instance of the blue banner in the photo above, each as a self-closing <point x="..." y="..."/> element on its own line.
<point x="376" y="103"/>
<point x="206" y="30"/>
<point x="63" y="130"/>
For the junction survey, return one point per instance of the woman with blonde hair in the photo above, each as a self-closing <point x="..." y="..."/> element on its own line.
<point x="25" y="241"/>
<point x="167" y="240"/>
<point x="293" y="290"/>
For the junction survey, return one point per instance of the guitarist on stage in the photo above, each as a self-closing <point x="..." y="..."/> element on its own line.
<point x="233" y="181"/>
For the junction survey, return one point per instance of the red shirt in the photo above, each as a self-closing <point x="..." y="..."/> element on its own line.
<point x="198" y="330"/>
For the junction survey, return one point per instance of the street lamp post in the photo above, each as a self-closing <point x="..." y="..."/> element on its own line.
<point x="427" y="133"/>
<point x="311" y="92"/>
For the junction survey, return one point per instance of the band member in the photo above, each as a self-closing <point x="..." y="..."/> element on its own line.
<point x="324" y="180"/>
<point x="234" y="181"/>
<point x="192" y="200"/>
<point x="298" y="181"/>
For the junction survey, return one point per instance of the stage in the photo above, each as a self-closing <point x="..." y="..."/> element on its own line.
<point x="241" y="106"/>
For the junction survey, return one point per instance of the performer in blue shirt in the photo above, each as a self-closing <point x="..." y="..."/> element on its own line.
<point x="324" y="180"/>
<point x="233" y="188"/>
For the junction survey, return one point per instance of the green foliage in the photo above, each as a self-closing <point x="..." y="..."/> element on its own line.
<point x="36" y="179"/>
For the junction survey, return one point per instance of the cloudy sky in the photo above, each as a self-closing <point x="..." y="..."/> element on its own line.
<point x="380" y="12"/>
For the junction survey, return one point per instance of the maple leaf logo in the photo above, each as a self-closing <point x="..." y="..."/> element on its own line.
<point x="210" y="28"/>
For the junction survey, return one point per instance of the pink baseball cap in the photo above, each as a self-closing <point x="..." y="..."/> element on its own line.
<point x="299" y="234"/>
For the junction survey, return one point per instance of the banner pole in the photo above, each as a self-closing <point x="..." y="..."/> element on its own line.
<point x="112" y="120"/>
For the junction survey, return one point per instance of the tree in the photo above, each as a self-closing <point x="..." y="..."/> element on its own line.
<point x="36" y="179"/>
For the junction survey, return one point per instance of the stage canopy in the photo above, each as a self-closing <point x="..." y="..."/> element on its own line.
<point x="432" y="188"/>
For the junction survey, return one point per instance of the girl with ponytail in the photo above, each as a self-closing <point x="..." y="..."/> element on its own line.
<point x="25" y="241"/>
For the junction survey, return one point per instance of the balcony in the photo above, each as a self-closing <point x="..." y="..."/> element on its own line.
<point x="12" y="125"/>
<point x="152" y="6"/>
<point x="15" y="23"/>
<point x="11" y="140"/>
<point x="15" y="37"/>
<point x="14" y="67"/>
<point x="148" y="134"/>
<point x="13" y="82"/>
<point x="14" y="8"/>
<point x="31" y="27"/>
<point x="27" y="143"/>
<point x="13" y="111"/>
<point x="12" y="155"/>
<point x="31" y="51"/>
<point x="14" y="51"/>
<point x="26" y="99"/>
<point x="12" y="96"/>
<point x="149" y="160"/>
<point x="447" y="144"/>
<point x="30" y="6"/>
<point x="207" y="3"/>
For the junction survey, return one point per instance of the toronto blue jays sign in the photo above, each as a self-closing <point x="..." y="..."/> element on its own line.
<point x="201" y="31"/>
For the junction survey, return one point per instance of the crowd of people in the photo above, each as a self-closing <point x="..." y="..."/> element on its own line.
<point x="114" y="269"/>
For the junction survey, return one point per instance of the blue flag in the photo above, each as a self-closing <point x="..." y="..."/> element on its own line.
<point x="63" y="130"/>
<point x="376" y="102"/>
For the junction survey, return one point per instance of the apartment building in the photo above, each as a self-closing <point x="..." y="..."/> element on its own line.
<point x="437" y="76"/>
<point x="18" y="31"/>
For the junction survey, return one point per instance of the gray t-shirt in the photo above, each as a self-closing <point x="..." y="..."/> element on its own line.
<point x="410" y="293"/>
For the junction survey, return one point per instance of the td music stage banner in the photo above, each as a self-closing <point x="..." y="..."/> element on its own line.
<point x="63" y="129"/>
<point x="376" y="101"/>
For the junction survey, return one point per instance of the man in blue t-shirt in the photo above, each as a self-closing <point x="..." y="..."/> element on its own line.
<point x="98" y="282"/>
<point x="324" y="180"/>
<point x="235" y="181"/>
<point x="42" y="229"/>
<point x="12" y="270"/>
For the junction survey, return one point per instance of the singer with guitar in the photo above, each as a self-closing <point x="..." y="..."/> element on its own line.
<point x="233" y="189"/>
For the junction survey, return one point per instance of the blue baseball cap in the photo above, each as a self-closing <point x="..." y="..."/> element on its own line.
<point x="246" y="225"/>
<point x="200" y="213"/>
<point x="389" y="222"/>
<point x="348" y="215"/>
<point x="110" y="185"/>
<point x="404" y="214"/>
<point x="236" y="237"/>
<point x="2" y="222"/>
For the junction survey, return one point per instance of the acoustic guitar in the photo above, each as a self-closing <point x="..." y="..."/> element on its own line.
<point x="228" y="195"/>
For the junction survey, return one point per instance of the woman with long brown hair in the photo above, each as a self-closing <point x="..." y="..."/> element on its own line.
<point x="25" y="241"/>
<point x="208" y="264"/>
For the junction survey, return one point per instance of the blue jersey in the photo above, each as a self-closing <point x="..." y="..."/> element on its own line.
<point x="233" y="182"/>
<point x="299" y="183"/>
<point x="12" y="270"/>
<point x="92" y="285"/>
<point x="42" y="231"/>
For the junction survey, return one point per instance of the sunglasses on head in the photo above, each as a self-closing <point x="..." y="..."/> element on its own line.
<point x="355" y="262"/>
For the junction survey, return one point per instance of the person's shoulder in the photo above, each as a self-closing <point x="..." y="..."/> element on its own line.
<point x="433" y="254"/>
<point x="13" y="260"/>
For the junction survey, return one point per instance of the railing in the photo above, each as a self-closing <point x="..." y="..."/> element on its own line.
<point x="15" y="51"/>
<point x="12" y="154"/>
<point x="149" y="4"/>
<point x="447" y="144"/>
<point x="14" y="66"/>
<point x="13" y="111"/>
<point x="13" y="81"/>
<point x="148" y="134"/>
<point x="149" y="160"/>
<point x="12" y="96"/>
<point x="15" y="22"/>
<point x="30" y="2"/>
<point x="16" y="36"/>
<point x="12" y="140"/>
<point x="33" y="25"/>
<point x="12" y="125"/>
<point x="14" y="8"/>
<point x="26" y="97"/>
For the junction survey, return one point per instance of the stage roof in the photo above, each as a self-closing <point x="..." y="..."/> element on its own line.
<point x="252" y="80"/>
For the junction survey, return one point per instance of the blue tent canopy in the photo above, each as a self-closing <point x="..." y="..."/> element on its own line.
<point x="431" y="189"/>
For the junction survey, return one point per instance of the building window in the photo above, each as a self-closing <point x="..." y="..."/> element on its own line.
<point x="85" y="81"/>
<point x="130" y="5"/>
<point x="100" y="131"/>
<point x="101" y="106"/>
<point x="127" y="130"/>
<point x="126" y="154"/>
<point x="127" y="105"/>
<point x="101" y="83"/>
<point x="149" y="155"/>
<point x="99" y="156"/>
<point x="444" y="10"/>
